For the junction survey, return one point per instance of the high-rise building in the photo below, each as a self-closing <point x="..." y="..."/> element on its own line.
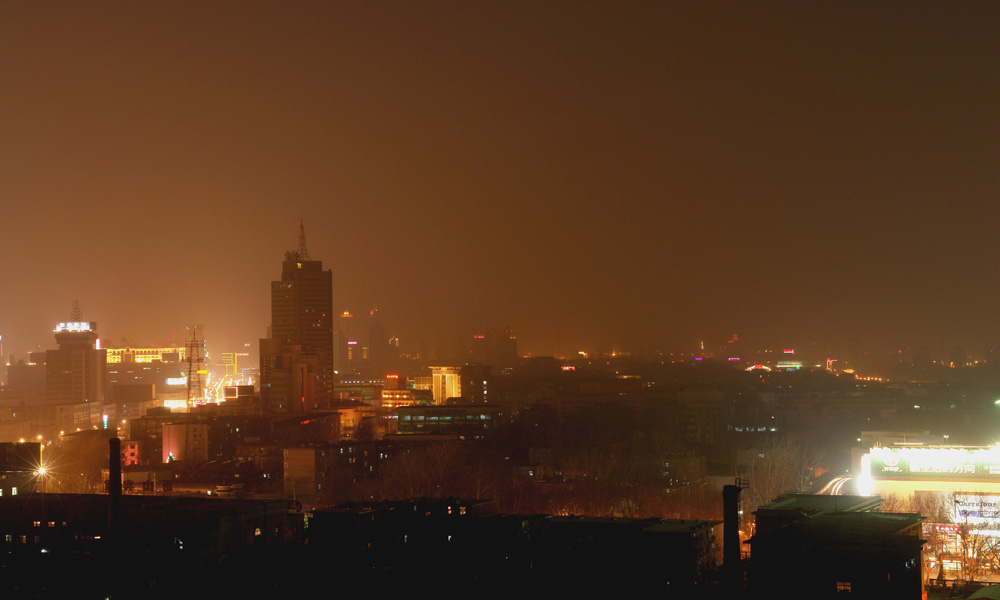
<point x="378" y="344"/>
<point x="76" y="373"/>
<point x="345" y="350"/>
<point x="497" y="347"/>
<point x="296" y="362"/>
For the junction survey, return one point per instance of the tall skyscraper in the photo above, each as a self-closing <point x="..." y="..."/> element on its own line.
<point x="296" y="371"/>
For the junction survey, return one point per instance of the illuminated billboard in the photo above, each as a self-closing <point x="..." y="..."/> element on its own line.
<point x="943" y="463"/>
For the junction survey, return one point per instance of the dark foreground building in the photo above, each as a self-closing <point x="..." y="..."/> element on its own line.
<point x="58" y="545"/>
<point x="461" y="547"/>
<point x="811" y="546"/>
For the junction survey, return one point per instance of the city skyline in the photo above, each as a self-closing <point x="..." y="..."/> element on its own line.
<point x="644" y="176"/>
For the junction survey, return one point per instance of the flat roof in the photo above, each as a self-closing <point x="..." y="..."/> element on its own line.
<point x="824" y="503"/>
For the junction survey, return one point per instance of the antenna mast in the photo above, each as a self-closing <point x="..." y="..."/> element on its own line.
<point x="303" y="253"/>
<point x="76" y="315"/>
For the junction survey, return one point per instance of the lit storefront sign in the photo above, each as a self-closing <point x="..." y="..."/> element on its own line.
<point x="944" y="463"/>
<point x="977" y="509"/>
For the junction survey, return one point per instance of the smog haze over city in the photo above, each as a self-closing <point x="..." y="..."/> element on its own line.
<point x="638" y="176"/>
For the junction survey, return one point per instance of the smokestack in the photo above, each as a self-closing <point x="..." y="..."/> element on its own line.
<point x="732" y="564"/>
<point x="114" y="488"/>
<point x="115" y="528"/>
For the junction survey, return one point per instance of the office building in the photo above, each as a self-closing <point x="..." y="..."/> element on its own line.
<point x="447" y="383"/>
<point x="296" y="361"/>
<point x="76" y="375"/>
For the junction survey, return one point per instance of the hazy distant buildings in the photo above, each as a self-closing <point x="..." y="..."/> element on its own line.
<point x="296" y="362"/>
<point x="378" y="344"/>
<point x="26" y="380"/>
<point x="343" y="351"/>
<point x="497" y="347"/>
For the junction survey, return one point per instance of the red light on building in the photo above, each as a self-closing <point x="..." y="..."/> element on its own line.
<point x="130" y="453"/>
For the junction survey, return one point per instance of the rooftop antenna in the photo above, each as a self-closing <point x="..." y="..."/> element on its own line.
<point x="303" y="253"/>
<point x="76" y="315"/>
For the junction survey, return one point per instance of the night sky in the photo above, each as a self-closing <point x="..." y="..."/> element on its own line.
<point x="597" y="175"/>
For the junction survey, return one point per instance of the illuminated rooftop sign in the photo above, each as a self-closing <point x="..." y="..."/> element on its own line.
<point x="76" y="326"/>
<point x="937" y="463"/>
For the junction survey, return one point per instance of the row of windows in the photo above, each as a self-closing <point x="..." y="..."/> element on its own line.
<point x="445" y="418"/>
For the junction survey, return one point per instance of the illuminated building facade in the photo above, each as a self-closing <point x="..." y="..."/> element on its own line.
<point x="146" y="355"/>
<point x="956" y="487"/>
<point x="906" y="471"/>
<point x="456" y="419"/>
<point x="296" y="370"/>
<point x="447" y="383"/>
<point x="398" y="398"/>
